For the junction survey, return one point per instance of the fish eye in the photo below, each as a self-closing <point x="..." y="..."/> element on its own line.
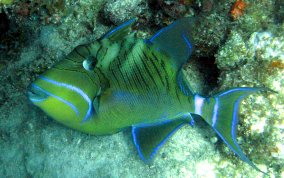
<point x="89" y="63"/>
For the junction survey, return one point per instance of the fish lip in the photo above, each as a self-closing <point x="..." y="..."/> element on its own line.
<point x="35" y="94"/>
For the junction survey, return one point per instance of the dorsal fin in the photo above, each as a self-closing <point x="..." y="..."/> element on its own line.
<point x="120" y="31"/>
<point x="175" y="40"/>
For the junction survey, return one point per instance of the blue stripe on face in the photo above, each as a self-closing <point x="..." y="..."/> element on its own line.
<point x="54" y="96"/>
<point x="76" y="90"/>
<point x="37" y="100"/>
<point x="215" y="112"/>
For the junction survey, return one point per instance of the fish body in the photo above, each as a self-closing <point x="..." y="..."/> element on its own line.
<point x="121" y="81"/>
<point x="142" y="80"/>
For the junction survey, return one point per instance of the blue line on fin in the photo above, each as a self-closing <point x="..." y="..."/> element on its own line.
<point x="184" y="84"/>
<point x="119" y="27"/>
<point x="160" y="31"/>
<point x="148" y="139"/>
<point x="174" y="41"/>
<point x="225" y="118"/>
<point x="149" y="158"/>
<point x="192" y="122"/>
<point x="187" y="42"/>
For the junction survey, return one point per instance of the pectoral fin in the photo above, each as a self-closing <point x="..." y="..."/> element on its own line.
<point x="148" y="139"/>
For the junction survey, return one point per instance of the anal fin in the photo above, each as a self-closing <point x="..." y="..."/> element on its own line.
<point x="148" y="139"/>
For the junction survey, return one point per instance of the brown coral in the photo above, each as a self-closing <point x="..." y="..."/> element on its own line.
<point x="238" y="9"/>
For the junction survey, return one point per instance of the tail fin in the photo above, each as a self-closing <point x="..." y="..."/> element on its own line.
<point x="221" y="112"/>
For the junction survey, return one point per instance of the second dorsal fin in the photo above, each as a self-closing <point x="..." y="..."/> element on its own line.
<point x="175" y="40"/>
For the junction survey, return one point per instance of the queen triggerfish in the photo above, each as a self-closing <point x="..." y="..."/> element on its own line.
<point x="121" y="81"/>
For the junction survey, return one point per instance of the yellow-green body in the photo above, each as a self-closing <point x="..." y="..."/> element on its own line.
<point x="122" y="104"/>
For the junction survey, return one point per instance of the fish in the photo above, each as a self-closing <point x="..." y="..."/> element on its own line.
<point x="121" y="81"/>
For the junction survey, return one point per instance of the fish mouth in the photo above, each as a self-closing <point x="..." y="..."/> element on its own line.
<point x="36" y="94"/>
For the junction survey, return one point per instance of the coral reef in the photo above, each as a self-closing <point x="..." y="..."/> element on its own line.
<point x="257" y="60"/>
<point x="261" y="46"/>
<point x="246" y="51"/>
<point x="119" y="11"/>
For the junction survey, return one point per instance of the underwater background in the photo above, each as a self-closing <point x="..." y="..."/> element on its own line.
<point x="237" y="43"/>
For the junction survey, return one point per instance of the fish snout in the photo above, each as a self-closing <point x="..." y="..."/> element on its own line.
<point x="36" y="94"/>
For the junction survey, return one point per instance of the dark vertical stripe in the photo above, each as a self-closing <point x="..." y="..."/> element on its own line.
<point x="120" y="71"/>
<point x="177" y="93"/>
<point x="98" y="51"/>
<point x="114" y="72"/>
<point x="115" y="77"/>
<point x="147" y="71"/>
<point x="89" y="51"/>
<point x="156" y="68"/>
<point x="101" y="75"/>
<point x="91" y="78"/>
<point x="131" y="81"/>
<point x="136" y="79"/>
<point x="68" y="58"/>
<point x="113" y="69"/>
<point x="105" y="53"/>
<point x="82" y="56"/>
<point x="120" y="47"/>
<point x="140" y="73"/>
<point x="166" y="75"/>
<point x="190" y="100"/>
<point x="74" y="70"/>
